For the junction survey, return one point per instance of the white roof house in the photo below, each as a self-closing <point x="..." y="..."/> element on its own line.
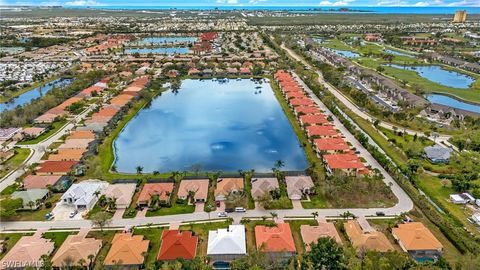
<point x="82" y="194"/>
<point x="457" y="199"/>
<point x="227" y="241"/>
<point x="476" y="218"/>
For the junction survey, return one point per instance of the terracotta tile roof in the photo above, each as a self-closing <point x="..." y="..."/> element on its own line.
<point x="307" y="110"/>
<point x="310" y="234"/>
<point x="33" y="131"/>
<point x="343" y="161"/>
<point x="301" y="102"/>
<point x="226" y="185"/>
<point x="275" y="239"/>
<point x="335" y="144"/>
<point x="415" y="236"/>
<point x="322" y="131"/>
<point x="76" y="247"/>
<point x="106" y="112"/>
<point x="75" y="144"/>
<point x="69" y="102"/>
<point x="28" y="251"/>
<point x="314" y="119"/>
<point x="162" y="189"/>
<point x="176" y="244"/>
<point x="199" y="186"/>
<point x="91" y="89"/>
<point x="372" y="240"/>
<point x="56" y="166"/>
<point x="127" y="249"/>
<point x="294" y="94"/>
<point x="40" y="181"/>
<point x="81" y="134"/>
<point x="67" y="154"/>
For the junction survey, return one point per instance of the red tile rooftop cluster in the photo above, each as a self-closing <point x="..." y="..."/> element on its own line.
<point x="329" y="143"/>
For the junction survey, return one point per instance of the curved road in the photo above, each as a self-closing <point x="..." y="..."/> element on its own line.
<point x="357" y="110"/>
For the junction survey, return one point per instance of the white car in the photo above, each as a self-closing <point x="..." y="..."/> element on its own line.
<point x="222" y="214"/>
<point x="73" y="214"/>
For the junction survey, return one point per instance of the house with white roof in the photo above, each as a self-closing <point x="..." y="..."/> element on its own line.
<point x="84" y="195"/>
<point x="226" y="245"/>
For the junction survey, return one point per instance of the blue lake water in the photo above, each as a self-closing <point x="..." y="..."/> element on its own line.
<point x="33" y="94"/>
<point x="166" y="40"/>
<point x="347" y="54"/>
<point x="181" y="50"/>
<point x="225" y="126"/>
<point x="397" y="53"/>
<point x="440" y="75"/>
<point x="446" y="100"/>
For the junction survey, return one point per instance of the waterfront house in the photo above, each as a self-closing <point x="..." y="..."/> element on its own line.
<point x="196" y="187"/>
<point x="299" y="186"/>
<point x="260" y="186"/>
<point x="330" y="145"/>
<point x="322" y="131"/>
<point x="163" y="190"/>
<point x="121" y="193"/>
<point x="346" y="162"/>
<point x="225" y="186"/>
<point x="56" y="167"/>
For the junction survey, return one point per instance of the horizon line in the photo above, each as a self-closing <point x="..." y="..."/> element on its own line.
<point x="239" y="6"/>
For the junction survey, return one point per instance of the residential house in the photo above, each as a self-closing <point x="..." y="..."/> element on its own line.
<point x="418" y="241"/>
<point x="299" y="186"/>
<point x="84" y="195"/>
<point x="225" y="186"/>
<point x="163" y="190"/>
<point x="438" y="154"/>
<point x="311" y="234"/>
<point x="365" y="237"/>
<point x="27" y="252"/>
<point x="76" y="248"/>
<point x="177" y="244"/>
<point x="127" y="251"/>
<point x="199" y="188"/>
<point x="346" y="162"/>
<point x="330" y="145"/>
<point x="322" y="131"/>
<point x="56" y="167"/>
<point x="226" y="245"/>
<point x="56" y="182"/>
<point x="277" y="241"/>
<point x="32" y="198"/>
<point x="262" y="185"/>
<point x="121" y="193"/>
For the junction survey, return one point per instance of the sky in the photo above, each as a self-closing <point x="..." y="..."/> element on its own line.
<point x="319" y="3"/>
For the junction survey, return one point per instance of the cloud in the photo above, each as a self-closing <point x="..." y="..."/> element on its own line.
<point x="83" y="3"/>
<point x="229" y="2"/>
<point x="337" y="3"/>
<point x="474" y="3"/>
<point x="254" y="2"/>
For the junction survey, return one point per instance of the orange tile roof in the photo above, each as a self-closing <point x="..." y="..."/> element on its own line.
<point x="127" y="249"/>
<point x="226" y="185"/>
<point x="176" y="244"/>
<point x="307" y="110"/>
<point x="275" y="239"/>
<point x="325" y="131"/>
<point x="67" y="154"/>
<point x="331" y="144"/>
<point x="162" y="189"/>
<point x="40" y="181"/>
<point x="415" y="236"/>
<point x="56" y="166"/>
<point x="293" y="94"/>
<point x="314" y="119"/>
<point x="106" y="112"/>
<point x="91" y="89"/>
<point x="372" y="240"/>
<point x="343" y="161"/>
<point x="301" y="102"/>
<point x="69" y="102"/>
<point x="81" y="134"/>
<point x="311" y="234"/>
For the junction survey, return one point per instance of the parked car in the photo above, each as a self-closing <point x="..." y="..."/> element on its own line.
<point x="222" y="214"/>
<point x="229" y="210"/>
<point x="49" y="216"/>
<point x="73" y="214"/>
<point x="380" y="214"/>
<point x="240" y="210"/>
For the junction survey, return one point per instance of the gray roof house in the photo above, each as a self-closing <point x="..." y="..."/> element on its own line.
<point x="437" y="153"/>
<point x="36" y="195"/>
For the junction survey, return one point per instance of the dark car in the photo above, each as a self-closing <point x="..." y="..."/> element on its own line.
<point x="380" y="214"/>
<point x="229" y="210"/>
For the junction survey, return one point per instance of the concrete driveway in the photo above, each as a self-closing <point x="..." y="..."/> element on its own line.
<point x="199" y="207"/>
<point x="62" y="212"/>
<point x="297" y="204"/>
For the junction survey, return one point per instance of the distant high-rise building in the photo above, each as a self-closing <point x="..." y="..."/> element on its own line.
<point x="460" y="16"/>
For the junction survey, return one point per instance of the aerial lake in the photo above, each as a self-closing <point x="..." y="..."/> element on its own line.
<point x="162" y="50"/>
<point x="33" y="94"/>
<point x="448" y="101"/>
<point x="441" y="76"/>
<point x="224" y="125"/>
<point x="347" y="54"/>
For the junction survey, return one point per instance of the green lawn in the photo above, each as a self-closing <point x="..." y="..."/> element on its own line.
<point x="174" y="210"/>
<point x="316" y="202"/>
<point x="9" y="190"/>
<point x="154" y="235"/>
<point x="201" y="230"/>
<point x="15" y="161"/>
<point x="106" y="237"/>
<point x="55" y="127"/>
<point x="57" y="237"/>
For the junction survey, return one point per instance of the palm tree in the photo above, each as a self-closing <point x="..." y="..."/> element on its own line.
<point x="139" y="169"/>
<point x="90" y="259"/>
<point x="31" y="204"/>
<point x="81" y="262"/>
<point x="279" y="164"/>
<point x="96" y="193"/>
<point x="274" y="215"/>
<point x="315" y="215"/>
